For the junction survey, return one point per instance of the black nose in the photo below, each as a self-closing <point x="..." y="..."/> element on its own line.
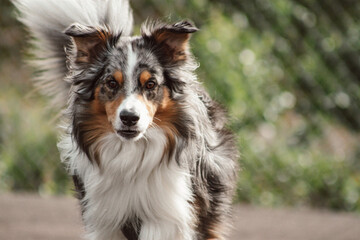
<point x="129" y="118"/>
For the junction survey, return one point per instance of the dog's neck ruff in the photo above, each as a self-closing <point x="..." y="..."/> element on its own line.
<point x="134" y="180"/>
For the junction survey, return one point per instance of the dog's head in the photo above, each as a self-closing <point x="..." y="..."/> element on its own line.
<point x="126" y="85"/>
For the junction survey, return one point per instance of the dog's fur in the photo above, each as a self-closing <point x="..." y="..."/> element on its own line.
<point x="145" y="144"/>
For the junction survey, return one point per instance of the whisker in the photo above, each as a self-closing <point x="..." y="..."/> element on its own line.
<point x="157" y="118"/>
<point x="146" y="139"/>
<point x="154" y="125"/>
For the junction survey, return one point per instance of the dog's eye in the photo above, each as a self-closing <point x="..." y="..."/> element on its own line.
<point x="150" y="84"/>
<point x="112" y="84"/>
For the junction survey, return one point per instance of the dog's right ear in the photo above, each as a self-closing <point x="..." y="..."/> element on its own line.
<point x="89" y="41"/>
<point x="171" y="40"/>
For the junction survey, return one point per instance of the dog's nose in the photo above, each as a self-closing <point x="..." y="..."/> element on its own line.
<point x="129" y="118"/>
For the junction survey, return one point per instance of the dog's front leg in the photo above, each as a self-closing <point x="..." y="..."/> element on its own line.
<point x="106" y="235"/>
<point x="163" y="230"/>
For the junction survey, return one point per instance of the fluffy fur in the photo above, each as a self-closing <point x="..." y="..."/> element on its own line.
<point x="146" y="146"/>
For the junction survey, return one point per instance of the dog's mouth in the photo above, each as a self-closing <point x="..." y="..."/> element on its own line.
<point x="128" y="134"/>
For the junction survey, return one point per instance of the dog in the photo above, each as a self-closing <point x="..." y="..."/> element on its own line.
<point x="146" y="146"/>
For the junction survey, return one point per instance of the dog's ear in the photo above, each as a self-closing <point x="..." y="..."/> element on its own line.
<point x="89" y="41"/>
<point x="173" y="40"/>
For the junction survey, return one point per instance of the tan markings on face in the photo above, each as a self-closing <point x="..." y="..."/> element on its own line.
<point x="96" y="125"/>
<point x="111" y="108"/>
<point x="144" y="77"/>
<point x="165" y="115"/>
<point x="118" y="77"/>
<point x="96" y="106"/>
<point x="166" y="112"/>
<point x="95" y="128"/>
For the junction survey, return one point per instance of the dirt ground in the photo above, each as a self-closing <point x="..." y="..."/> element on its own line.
<point x="30" y="217"/>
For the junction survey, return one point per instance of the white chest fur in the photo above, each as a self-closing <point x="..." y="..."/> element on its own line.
<point x="134" y="181"/>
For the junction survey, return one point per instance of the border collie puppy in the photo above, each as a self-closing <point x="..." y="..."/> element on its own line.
<point x="146" y="146"/>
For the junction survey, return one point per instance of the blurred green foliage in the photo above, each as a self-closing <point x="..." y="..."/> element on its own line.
<point x="288" y="72"/>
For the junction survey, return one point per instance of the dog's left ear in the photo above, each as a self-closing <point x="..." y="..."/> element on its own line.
<point x="173" y="40"/>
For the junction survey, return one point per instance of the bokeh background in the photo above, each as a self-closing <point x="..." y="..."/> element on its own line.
<point x="288" y="72"/>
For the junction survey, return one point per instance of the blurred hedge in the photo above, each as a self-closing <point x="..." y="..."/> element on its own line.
<point x="288" y="71"/>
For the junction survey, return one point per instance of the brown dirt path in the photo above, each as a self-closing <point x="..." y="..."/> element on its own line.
<point x="30" y="217"/>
